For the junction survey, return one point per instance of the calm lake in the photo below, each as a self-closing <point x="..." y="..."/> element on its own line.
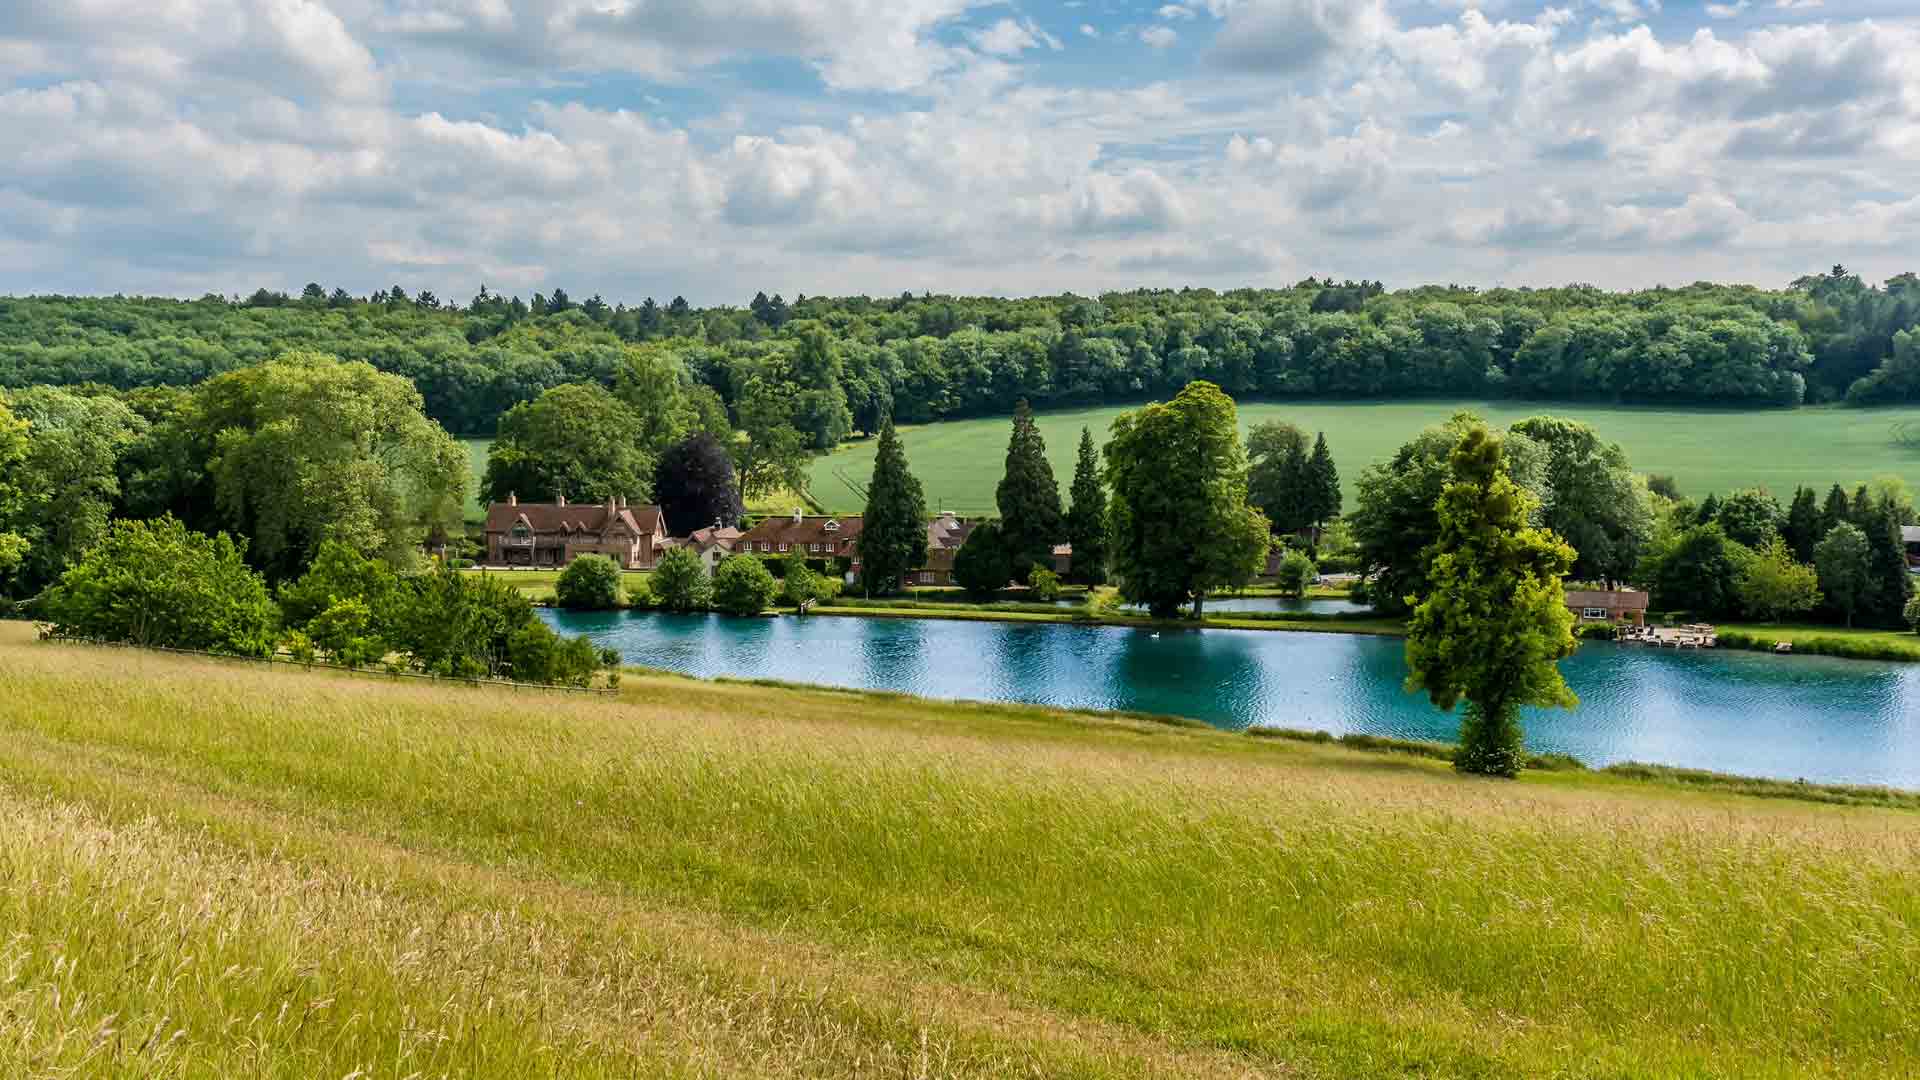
<point x="1836" y="721"/>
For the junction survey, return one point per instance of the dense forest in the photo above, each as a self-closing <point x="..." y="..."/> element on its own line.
<point x="848" y="361"/>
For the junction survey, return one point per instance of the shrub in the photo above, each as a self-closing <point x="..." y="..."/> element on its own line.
<point x="459" y="624"/>
<point x="345" y="633"/>
<point x="338" y="573"/>
<point x="1296" y="574"/>
<point x="679" y="581"/>
<point x="298" y="646"/>
<point x="742" y="586"/>
<point x="589" y="583"/>
<point x="537" y="654"/>
<point x="158" y="583"/>
<point x="1912" y="613"/>
<point x="1043" y="585"/>
<point x="798" y="583"/>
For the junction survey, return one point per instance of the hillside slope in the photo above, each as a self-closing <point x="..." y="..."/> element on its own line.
<point x="213" y="869"/>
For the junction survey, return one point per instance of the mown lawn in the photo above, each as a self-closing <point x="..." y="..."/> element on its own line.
<point x="959" y="462"/>
<point x="213" y="869"/>
<point x="538" y="584"/>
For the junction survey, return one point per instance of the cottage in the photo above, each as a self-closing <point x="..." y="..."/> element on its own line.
<point x="946" y="535"/>
<point x="1609" y="605"/>
<point x="1063" y="559"/>
<point x="1910" y="535"/>
<point x="711" y="544"/>
<point x="820" y="537"/>
<point x="556" y="533"/>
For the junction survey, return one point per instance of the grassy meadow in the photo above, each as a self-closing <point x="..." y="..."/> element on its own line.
<point x="959" y="462"/>
<point x="214" y="869"/>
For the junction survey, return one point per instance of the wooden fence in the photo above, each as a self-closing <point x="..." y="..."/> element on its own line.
<point x="288" y="661"/>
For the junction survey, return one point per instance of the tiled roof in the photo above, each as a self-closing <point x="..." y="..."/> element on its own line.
<point x="571" y="518"/>
<point x="810" y="529"/>
<point x="1620" y="599"/>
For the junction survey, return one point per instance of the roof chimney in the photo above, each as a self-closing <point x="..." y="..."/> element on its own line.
<point x="623" y="502"/>
<point x="796" y="515"/>
<point x="513" y="499"/>
<point x="560" y="500"/>
<point x="613" y="506"/>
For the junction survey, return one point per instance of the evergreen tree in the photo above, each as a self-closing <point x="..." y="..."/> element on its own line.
<point x="1087" y="518"/>
<point x="893" y="536"/>
<point x="980" y="566"/>
<point x="1832" y="512"/>
<point x="1709" y="511"/>
<point x="1886" y="600"/>
<point x="1322" y="483"/>
<point x="1860" y="509"/>
<point x="1028" y="497"/>
<point x="1802" y="532"/>
<point x="1496" y="622"/>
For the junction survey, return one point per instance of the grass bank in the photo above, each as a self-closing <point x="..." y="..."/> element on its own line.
<point x="1858" y="644"/>
<point x="1011" y="611"/>
<point x="218" y="870"/>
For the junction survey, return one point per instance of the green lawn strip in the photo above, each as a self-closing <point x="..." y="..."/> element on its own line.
<point x="1299" y="904"/>
<point x="959" y="461"/>
<point x="1080" y="616"/>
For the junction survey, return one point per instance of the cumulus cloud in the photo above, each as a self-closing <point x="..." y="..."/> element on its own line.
<point x="1160" y="37"/>
<point x="214" y="144"/>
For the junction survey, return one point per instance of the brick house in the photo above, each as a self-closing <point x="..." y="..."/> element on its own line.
<point x="554" y="534"/>
<point x="818" y="536"/>
<point x="1613" y="606"/>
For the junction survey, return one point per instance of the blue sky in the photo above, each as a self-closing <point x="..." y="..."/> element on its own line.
<point x="712" y="148"/>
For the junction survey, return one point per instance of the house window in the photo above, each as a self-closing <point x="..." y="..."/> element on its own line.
<point x="832" y="526"/>
<point x="783" y="545"/>
<point x="1593" y="613"/>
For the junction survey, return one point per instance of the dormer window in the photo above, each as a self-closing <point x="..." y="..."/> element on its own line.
<point x="520" y="532"/>
<point x="832" y="526"/>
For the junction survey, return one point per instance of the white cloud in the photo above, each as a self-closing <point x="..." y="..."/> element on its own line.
<point x="1175" y="11"/>
<point x="1088" y="30"/>
<point x="1726" y="11"/>
<point x="1160" y="37"/>
<point x="1284" y="36"/>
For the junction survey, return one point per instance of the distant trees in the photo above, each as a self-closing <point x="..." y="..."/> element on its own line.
<point x="694" y="484"/>
<point x="893" y="532"/>
<point x="66" y="481"/>
<point x="1179" y="525"/>
<point x="1698" y="572"/>
<point x="1298" y="489"/>
<point x="1031" y="521"/>
<point x="13" y="501"/>
<point x="1770" y="584"/>
<point x="575" y="440"/>
<point x="1086" y="520"/>
<point x="1495" y="620"/>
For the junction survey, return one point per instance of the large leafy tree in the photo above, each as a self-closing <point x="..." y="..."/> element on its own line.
<point x="1698" y="572"/>
<point x="1751" y="517"/>
<point x="656" y="387"/>
<point x="1178" y="523"/>
<point x="1495" y="622"/>
<point x="13" y="457"/>
<point x="69" y="481"/>
<point x="1845" y="563"/>
<point x="575" y="440"/>
<point x="770" y="454"/>
<point x="1028" y="497"/>
<point x="1594" y="502"/>
<point x="1087" y="517"/>
<point x="820" y="405"/>
<point x="305" y="449"/>
<point x="695" y="486"/>
<point x="1277" y="480"/>
<point x="893" y="532"/>
<point x="1397" y="517"/>
<point x="1771" y="584"/>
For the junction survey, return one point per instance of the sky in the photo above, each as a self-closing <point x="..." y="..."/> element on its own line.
<point x="715" y="148"/>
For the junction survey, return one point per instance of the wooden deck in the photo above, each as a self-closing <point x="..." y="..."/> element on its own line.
<point x="1692" y="636"/>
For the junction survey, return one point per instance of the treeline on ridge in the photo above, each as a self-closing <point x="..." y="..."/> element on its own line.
<point x="921" y="358"/>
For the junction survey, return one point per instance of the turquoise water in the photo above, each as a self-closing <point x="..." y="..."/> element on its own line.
<point x="1821" y="719"/>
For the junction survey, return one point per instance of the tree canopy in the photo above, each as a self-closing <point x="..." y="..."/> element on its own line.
<point x="575" y="440"/>
<point x="1028" y="496"/>
<point x="1086" y="521"/>
<point x="1178" y="523"/>
<point x="893" y="532"/>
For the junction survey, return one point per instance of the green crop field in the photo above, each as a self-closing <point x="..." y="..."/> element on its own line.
<point x="221" y="869"/>
<point x="959" y="462"/>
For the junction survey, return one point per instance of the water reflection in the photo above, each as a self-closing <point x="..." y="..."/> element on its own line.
<point x="1812" y="717"/>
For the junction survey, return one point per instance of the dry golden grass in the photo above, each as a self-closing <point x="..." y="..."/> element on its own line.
<point x="212" y="869"/>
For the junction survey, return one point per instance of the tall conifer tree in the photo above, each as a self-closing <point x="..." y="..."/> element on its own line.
<point x="1087" y="518"/>
<point x="893" y="534"/>
<point x="1028" y="497"/>
<point x="1802" y="532"/>
<point x="1322" y="483"/>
